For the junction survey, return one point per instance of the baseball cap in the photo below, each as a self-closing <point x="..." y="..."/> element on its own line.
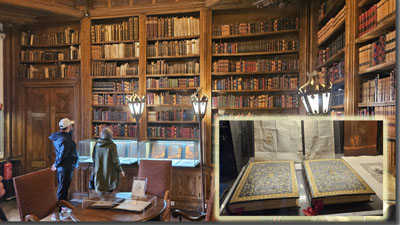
<point x="64" y="123"/>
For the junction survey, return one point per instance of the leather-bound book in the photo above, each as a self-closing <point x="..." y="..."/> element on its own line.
<point x="266" y="185"/>
<point x="335" y="182"/>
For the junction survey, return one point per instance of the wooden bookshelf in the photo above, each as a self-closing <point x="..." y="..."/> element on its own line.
<point x="184" y="89"/>
<point x="376" y="104"/>
<point x="105" y="121"/>
<point x="169" y="106"/>
<point x="174" y="38"/>
<point x="384" y="26"/>
<point x="117" y="59"/>
<point x="379" y="68"/>
<point x="254" y="108"/>
<point x="363" y="3"/>
<point x="252" y="73"/>
<point x="173" y="122"/>
<point x="111" y="92"/>
<point x="337" y="107"/>
<point x="113" y="42"/>
<point x="173" y="138"/>
<point x="50" y="46"/>
<point x="174" y="57"/>
<point x="119" y="137"/>
<point x="51" y="61"/>
<point x="257" y="34"/>
<point x="110" y="106"/>
<point x="339" y="28"/>
<point x="174" y="75"/>
<point x="336" y="7"/>
<point x="251" y="91"/>
<point x="256" y="53"/>
<point x="116" y="77"/>
<point x="335" y="58"/>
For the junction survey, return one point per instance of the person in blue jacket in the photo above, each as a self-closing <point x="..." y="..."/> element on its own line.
<point x="66" y="157"/>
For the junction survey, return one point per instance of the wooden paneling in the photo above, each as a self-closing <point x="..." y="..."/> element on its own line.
<point x="119" y="3"/>
<point x="38" y="148"/>
<point x="176" y="192"/>
<point x="360" y="138"/>
<point x="191" y="184"/>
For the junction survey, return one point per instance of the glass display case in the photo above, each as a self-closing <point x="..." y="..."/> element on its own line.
<point x="127" y="150"/>
<point x="181" y="153"/>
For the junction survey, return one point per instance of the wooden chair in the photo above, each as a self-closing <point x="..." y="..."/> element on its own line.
<point x="207" y="216"/>
<point x="159" y="176"/>
<point x="36" y="195"/>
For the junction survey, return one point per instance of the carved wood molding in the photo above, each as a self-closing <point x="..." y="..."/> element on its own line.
<point x="46" y="6"/>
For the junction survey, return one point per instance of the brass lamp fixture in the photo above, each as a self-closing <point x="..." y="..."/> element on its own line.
<point x="136" y="107"/>
<point x="316" y="97"/>
<point x="199" y="102"/>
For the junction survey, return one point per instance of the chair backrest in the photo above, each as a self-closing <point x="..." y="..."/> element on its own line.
<point x="35" y="193"/>
<point x="158" y="174"/>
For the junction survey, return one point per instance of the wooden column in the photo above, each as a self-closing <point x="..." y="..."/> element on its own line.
<point x="306" y="48"/>
<point x="142" y="73"/>
<point x="2" y="149"/>
<point x="86" y="82"/>
<point x="351" y="91"/>
<point x="205" y="77"/>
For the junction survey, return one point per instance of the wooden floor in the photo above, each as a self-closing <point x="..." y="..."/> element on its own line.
<point x="11" y="211"/>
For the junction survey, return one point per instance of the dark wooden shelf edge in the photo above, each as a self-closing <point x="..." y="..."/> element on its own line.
<point x="277" y="109"/>
<point x="256" y="34"/>
<point x="174" y="38"/>
<point x="173" y="75"/>
<point x="251" y="73"/>
<point x="332" y="11"/>
<point x="380" y="67"/>
<point x="127" y="122"/>
<point x="250" y="91"/>
<point x="115" y="77"/>
<point x="49" y="46"/>
<point x="339" y="27"/>
<point x="255" y="53"/>
<point x="173" y="122"/>
<point x="338" y="56"/>
<point x="376" y="104"/>
<point x="113" y="42"/>
<point x="363" y="3"/>
<point x="337" y="107"/>
<point x="172" y="139"/>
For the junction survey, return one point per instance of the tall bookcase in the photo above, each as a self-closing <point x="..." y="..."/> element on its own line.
<point x="50" y="52"/>
<point x="329" y="47"/>
<point x="255" y="61"/>
<point x="114" y="74"/>
<point x="375" y="60"/>
<point x="172" y="75"/>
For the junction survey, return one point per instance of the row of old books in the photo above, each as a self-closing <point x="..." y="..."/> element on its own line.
<point x="325" y="7"/>
<point x="50" y="55"/>
<point x="125" y="31"/>
<point x="256" y="101"/>
<point x="108" y="115"/>
<point x="163" y="67"/>
<point x="165" y="82"/>
<point x="167" y="98"/>
<point x="49" y="71"/>
<point x="379" y="89"/>
<point x="269" y="185"/>
<point x="109" y="99"/>
<point x="386" y="111"/>
<point x="392" y="157"/>
<point x="334" y="72"/>
<point x="100" y="68"/>
<point x="378" y="12"/>
<point x="337" y="97"/>
<point x="115" y="51"/>
<point x="255" y="46"/>
<point x="119" y="130"/>
<point x="259" y="65"/>
<point x="334" y="47"/>
<point x="275" y="24"/>
<point x="67" y="36"/>
<point x="172" y="132"/>
<point x="377" y="52"/>
<point x="174" y="48"/>
<point x="331" y="26"/>
<point x="160" y="27"/>
<point x="115" y="86"/>
<point x="282" y="82"/>
<point x="171" y="115"/>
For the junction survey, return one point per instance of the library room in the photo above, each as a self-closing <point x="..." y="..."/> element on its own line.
<point x="198" y="110"/>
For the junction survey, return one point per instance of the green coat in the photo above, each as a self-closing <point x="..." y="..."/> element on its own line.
<point x="106" y="165"/>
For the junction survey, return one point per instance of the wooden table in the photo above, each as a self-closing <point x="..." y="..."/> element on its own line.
<point x="153" y="211"/>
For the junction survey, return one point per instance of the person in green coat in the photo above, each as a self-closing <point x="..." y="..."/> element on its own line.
<point x="106" y="163"/>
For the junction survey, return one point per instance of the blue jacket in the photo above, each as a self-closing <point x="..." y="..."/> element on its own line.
<point x="66" y="154"/>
